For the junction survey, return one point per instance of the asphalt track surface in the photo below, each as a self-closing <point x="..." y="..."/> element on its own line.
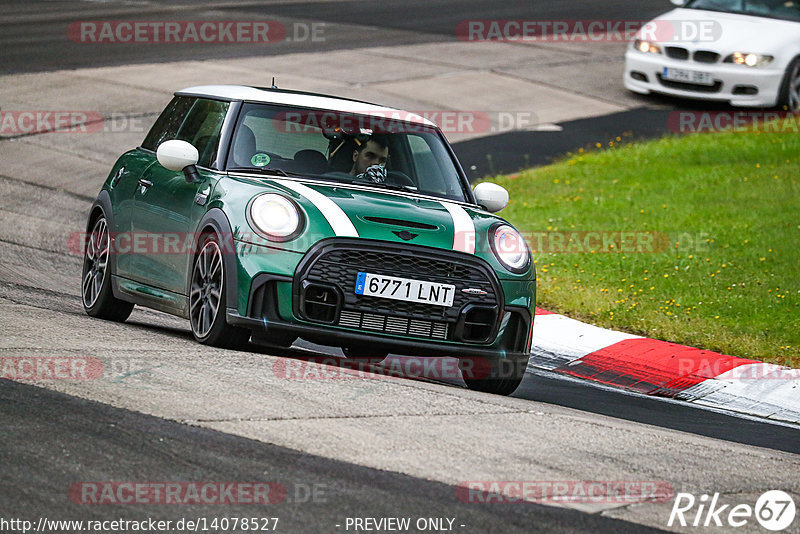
<point x="55" y="434"/>
<point x="34" y="39"/>
<point x="51" y="439"/>
<point x="34" y="34"/>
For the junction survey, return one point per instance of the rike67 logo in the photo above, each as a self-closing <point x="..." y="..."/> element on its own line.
<point x="774" y="510"/>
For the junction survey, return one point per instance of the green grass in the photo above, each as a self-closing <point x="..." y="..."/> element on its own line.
<point x="723" y="213"/>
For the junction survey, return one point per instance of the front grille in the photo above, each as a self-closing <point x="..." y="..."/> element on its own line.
<point x="405" y="263"/>
<point x="394" y="325"/>
<point x="705" y="56"/>
<point x="685" y="86"/>
<point x="677" y="52"/>
<point x="337" y="263"/>
<point x="341" y="267"/>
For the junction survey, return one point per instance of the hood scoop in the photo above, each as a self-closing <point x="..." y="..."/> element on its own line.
<point x="399" y="222"/>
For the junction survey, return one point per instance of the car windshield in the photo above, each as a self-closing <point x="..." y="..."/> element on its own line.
<point x="778" y="9"/>
<point x="345" y="147"/>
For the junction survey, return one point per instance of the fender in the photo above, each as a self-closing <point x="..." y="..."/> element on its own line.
<point x="215" y="218"/>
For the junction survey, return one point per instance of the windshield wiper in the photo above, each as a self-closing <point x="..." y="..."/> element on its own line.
<point x="263" y="170"/>
<point x="396" y="187"/>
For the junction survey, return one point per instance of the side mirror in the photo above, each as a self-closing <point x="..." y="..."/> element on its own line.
<point x="492" y="197"/>
<point x="177" y="155"/>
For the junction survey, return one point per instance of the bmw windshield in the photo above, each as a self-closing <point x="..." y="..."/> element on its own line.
<point x="777" y="9"/>
<point x="379" y="150"/>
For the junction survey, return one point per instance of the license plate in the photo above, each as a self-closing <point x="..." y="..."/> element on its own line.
<point x="391" y="287"/>
<point x="688" y="76"/>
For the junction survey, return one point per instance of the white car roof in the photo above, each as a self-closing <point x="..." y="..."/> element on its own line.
<point x="306" y="100"/>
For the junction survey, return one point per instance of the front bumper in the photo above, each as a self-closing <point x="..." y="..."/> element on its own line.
<point x="318" y="303"/>
<point x="643" y="75"/>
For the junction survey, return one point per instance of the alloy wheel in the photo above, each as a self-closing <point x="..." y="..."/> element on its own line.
<point x="793" y="101"/>
<point x="206" y="290"/>
<point x="95" y="262"/>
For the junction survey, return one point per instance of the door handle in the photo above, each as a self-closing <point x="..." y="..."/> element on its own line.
<point x="145" y="183"/>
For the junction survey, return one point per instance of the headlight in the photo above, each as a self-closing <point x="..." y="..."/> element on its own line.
<point x="275" y="217"/>
<point x="749" y="59"/>
<point x="510" y="248"/>
<point x="646" y="47"/>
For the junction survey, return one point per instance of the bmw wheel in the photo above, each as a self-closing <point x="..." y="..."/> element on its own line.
<point x="790" y="89"/>
<point x="98" y="298"/>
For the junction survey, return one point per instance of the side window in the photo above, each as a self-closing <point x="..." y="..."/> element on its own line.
<point x="266" y="130"/>
<point x="167" y="124"/>
<point x="202" y="128"/>
<point x="428" y="172"/>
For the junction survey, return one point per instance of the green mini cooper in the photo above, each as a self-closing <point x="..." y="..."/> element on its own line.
<point x="278" y="215"/>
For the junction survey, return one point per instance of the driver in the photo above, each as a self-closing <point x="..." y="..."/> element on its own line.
<point x="369" y="158"/>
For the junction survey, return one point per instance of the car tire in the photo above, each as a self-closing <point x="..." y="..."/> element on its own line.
<point x="207" y="298"/>
<point x="364" y="355"/>
<point x="96" y="293"/>
<point x="500" y="376"/>
<point x="789" y="97"/>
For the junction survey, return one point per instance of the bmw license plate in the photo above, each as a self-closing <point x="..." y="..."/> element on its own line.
<point x="391" y="287"/>
<point x="688" y="76"/>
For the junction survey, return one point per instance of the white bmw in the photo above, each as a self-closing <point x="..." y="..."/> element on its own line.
<point x="745" y="52"/>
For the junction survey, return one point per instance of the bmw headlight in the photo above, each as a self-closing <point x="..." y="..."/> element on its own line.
<point x="749" y="59"/>
<point x="275" y="217"/>
<point x="646" y="47"/>
<point x="510" y="248"/>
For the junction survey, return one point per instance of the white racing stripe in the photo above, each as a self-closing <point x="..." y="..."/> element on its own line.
<point x="463" y="228"/>
<point x="337" y="218"/>
<point x="559" y="340"/>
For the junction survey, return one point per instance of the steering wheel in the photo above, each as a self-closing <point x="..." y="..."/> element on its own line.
<point x="400" y="178"/>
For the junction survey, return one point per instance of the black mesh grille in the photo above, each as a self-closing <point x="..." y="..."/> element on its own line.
<point x="339" y="265"/>
<point x="342" y="267"/>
